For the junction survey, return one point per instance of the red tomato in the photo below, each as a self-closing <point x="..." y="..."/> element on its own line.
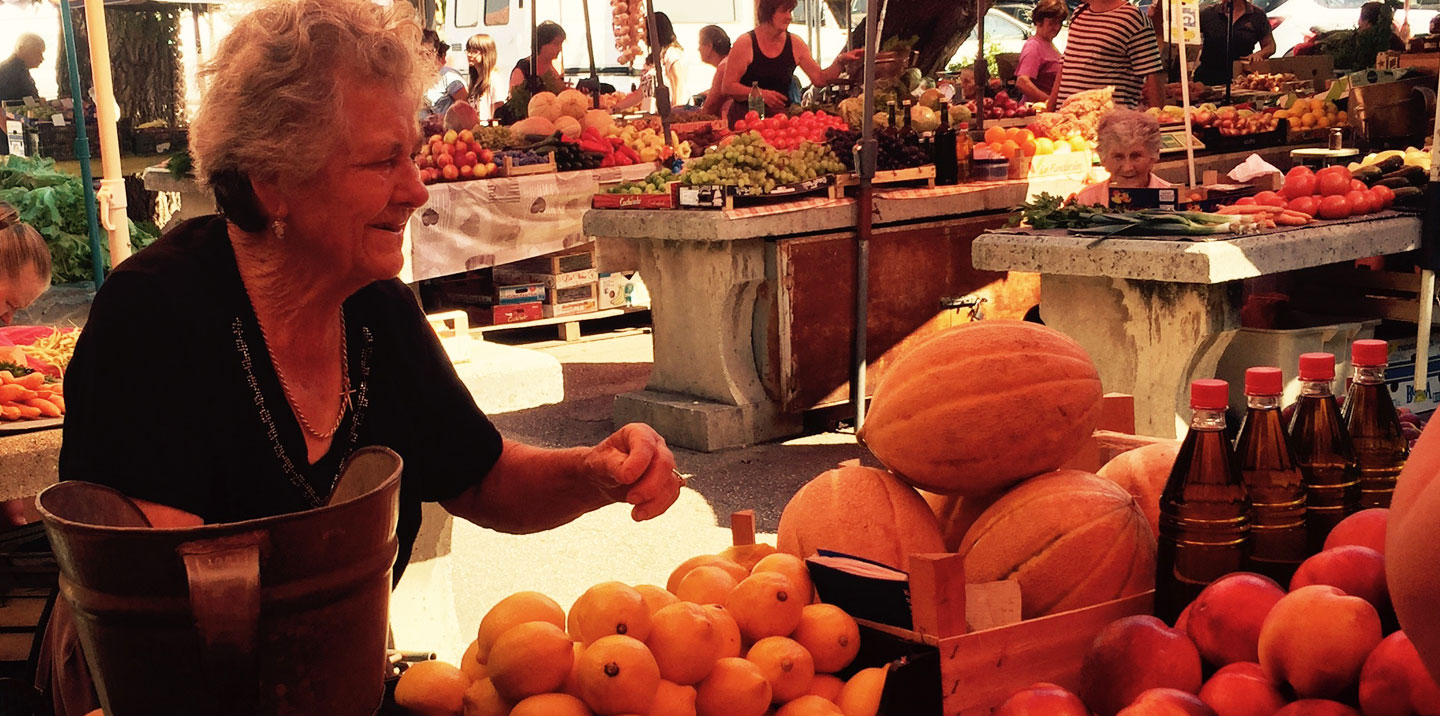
<point x="1377" y="201"/>
<point x="1300" y="170"/>
<point x="1333" y="181"/>
<point x="1246" y="201"/>
<point x="1305" y="204"/>
<point x="1269" y="198"/>
<point x="752" y="116"/>
<point x="1357" y="185"/>
<point x="1334" y="207"/>
<point x="1386" y="194"/>
<point x="1298" y="184"/>
<point x="742" y="126"/>
<point x="1359" y="202"/>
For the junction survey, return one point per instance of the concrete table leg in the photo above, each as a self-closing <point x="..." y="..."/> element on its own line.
<point x="705" y="392"/>
<point x="1143" y="336"/>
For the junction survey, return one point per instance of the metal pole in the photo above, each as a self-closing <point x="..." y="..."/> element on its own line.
<point x="1430" y="225"/>
<point x="864" y="222"/>
<point x="662" y="93"/>
<point x="82" y="144"/>
<point x="590" y="48"/>
<point x="982" y="68"/>
<point x="534" y="49"/>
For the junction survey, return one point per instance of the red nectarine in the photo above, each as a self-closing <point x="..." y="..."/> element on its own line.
<point x="1316" y="638"/>
<point x="1225" y="619"/>
<point x="1365" y="528"/>
<point x="1042" y="699"/>
<point x="1167" y="702"/>
<point x="1131" y="655"/>
<point x="1357" y="571"/>
<point x="1242" y="689"/>
<point x="1393" y="682"/>
<point x="1316" y="707"/>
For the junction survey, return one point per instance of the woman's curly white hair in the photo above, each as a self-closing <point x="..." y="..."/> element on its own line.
<point x="1124" y="128"/>
<point x="273" y="108"/>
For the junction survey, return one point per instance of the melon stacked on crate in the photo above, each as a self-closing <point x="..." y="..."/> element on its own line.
<point x="569" y="277"/>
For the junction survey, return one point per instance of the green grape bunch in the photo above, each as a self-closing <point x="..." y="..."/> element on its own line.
<point x="749" y="162"/>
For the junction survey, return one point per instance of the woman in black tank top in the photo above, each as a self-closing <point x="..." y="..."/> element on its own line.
<point x="768" y="56"/>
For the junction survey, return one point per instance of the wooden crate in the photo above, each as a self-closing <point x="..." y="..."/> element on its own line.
<point x="919" y="176"/>
<point x="28" y="573"/>
<point x="968" y="651"/>
<point x="509" y="169"/>
<point x="1344" y="290"/>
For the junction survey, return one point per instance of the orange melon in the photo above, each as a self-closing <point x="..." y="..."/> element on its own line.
<point x="1143" y="473"/>
<point x="980" y="407"/>
<point x="1070" y="538"/>
<point x="956" y="514"/>
<point x="860" y="511"/>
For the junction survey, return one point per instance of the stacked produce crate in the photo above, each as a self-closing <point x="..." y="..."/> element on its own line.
<point x="569" y="277"/>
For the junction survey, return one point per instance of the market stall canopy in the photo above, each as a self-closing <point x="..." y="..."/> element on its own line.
<point x="940" y="26"/>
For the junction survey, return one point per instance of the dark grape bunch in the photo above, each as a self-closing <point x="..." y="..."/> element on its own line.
<point x="892" y="152"/>
<point x="521" y="157"/>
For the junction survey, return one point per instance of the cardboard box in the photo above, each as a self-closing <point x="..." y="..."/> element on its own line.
<point x="550" y="281"/>
<point x="519" y="293"/>
<point x="571" y="294"/>
<point x="567" y="261"/>
<point x="503" y="314"/>
<point x="1400" y="377"/>
<point x="576" y="308"/>
<point x="616" y="290"/>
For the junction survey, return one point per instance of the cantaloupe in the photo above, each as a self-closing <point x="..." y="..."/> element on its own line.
<point x="860" y="511"/>
<point x="1070" y="538"/>
<point x="544" y="104"/>
<point x="568" y="126"/>
<point x="982" y="406"/>
<point x="533" y="126"/>
<point x="956" y="514"/>
<point x="1412" y="548"/>
<point x="572" y="103"/>
<point x="598" y="119"/>
<point x="1143" y="473"/>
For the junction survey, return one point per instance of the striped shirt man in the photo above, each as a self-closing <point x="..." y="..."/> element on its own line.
<point x="1113" y="47"/>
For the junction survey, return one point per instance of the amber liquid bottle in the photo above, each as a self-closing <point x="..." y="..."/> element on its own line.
<point x="1272" y="479"/>
<point x="1380" y="447"/>
<point x="1204" y="509"/>
<point x="1322" y="447"/>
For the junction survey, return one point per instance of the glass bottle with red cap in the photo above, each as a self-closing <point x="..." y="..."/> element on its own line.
<point x="1204" y="509"/>
<point x="1322" y="447"/>
<point x="1380" y="445"/>
<point x="1272" y="479"/>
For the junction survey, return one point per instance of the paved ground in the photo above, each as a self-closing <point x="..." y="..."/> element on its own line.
<point x="485" y="566"/>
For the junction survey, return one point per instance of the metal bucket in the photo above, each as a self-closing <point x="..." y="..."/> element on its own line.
<point x="282" y="615"/>
<point x="1396" y="112"/>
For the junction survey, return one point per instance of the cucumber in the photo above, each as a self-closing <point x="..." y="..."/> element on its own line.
<point x="1408" y="196"/>
<point x="1390" y="163"/>
<point x="1369" y="175"/>
<point x="1396" y="183"/>
<point x="1415" y="176"/>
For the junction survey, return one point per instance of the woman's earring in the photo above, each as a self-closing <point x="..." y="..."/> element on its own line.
<point x="277" y="229"/>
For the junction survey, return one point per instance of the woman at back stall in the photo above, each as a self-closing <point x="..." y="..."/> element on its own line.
<point x="285" y="322"/>
<point x="768" y="56"/>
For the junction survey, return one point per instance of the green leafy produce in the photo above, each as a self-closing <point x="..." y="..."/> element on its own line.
<point x="900" y="44"/>
<point x="15" y="369"/>
<point x="53" y="202"/>
<point x="1048" y="211"/>
<point x="180" y="165"/>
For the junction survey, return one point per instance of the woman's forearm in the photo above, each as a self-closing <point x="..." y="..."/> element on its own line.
<point x="1031" y="90"/>
<point x="531" y="489"/>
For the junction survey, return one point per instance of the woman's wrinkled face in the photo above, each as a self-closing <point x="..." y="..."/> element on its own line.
<point x="352" y="213"/>
<point x="19" y="292"/>
<point x="1129" y="166"/>
<point x="782" y="18"/>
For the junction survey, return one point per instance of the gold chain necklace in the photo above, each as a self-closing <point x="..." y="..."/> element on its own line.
<point x="285" y="386"/>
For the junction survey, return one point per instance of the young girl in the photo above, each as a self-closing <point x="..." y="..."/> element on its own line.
<point x="480" y="50"/>
<point x="24" y="264"/>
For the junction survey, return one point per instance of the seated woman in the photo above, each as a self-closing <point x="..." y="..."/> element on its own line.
<point x="1129" y="147"/>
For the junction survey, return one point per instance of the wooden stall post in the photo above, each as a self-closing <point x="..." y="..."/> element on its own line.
<point x="937" y="588"/>
<point x="742" y="528"/>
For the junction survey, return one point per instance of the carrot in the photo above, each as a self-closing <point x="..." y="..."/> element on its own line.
<point x="46" y="408"/>
<point x="59" y="401"/>
<point x="9" y="412"/>
<point x="6" y="376"/>
<point x="33" y="381"/>
<point x="27" y="412"/>
<point x="1289" y="220"/>
<point x="1247" y="209"/>
<point x="12" y="393"/>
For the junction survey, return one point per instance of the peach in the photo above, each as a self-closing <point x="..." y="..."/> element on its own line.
<point x="1394" y="682"/>
<point x="1131" y="655"/>
<point x="1316" y="707"/>
<point x="1225" y="619"/>
<point x="1357" y="571"/>
<point x="1167" y="702"/>
<point x="1365" y="528"/>
<point x="1242" y="689"/>
<point x="1042" y="699"/>
<point x="1316" y="639"/>
<point x="1182" y="622"/>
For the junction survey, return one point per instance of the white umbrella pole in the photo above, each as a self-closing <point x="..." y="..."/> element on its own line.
<point x="1427" y="280"/>
<point x="112" y="184"/>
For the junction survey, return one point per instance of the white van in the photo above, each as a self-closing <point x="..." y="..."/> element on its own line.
<point x="508" y="23"/>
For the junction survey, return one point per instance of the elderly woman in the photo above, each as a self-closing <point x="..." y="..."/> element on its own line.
<point x="285" y="323"/>
<point x="1129" y="146"/>
<point x="24" y="264"/>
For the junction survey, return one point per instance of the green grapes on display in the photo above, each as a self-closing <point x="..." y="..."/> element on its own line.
<point x="656" y="183"/>
<point x="748" y="161"/>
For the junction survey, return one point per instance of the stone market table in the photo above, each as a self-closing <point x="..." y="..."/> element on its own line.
<point x="1149" y="311"/>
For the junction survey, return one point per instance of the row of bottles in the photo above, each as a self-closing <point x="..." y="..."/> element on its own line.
<point x="1268" y="502"/>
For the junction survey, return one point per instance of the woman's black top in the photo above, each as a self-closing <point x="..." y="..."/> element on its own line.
<point x="772" y="73"/>
<point x="172" y="397"/>
<point x="533" y="82"/>
<point x="1248" y="32"/>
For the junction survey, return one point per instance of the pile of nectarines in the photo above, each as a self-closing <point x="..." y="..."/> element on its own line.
<point x="1247" y="647"/>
